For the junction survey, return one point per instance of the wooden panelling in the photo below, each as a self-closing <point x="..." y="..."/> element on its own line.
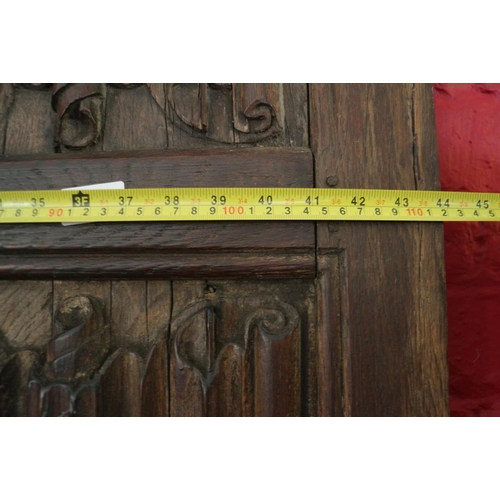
<point x="236" y="348"/>
<point x="159" y="250"/>
<point x="194" y="323"/>
<point x="393" y="313"/>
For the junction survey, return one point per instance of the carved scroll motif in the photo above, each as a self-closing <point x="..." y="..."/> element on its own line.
<point x="226" y="356"/>
<point x="253" y="114"/>
<point x="222" y="112"/>
<point x="79" y="108"/>
<point x="194" y="333"/>
<point x="203" y="352"/>
<point x="272" y="323"/>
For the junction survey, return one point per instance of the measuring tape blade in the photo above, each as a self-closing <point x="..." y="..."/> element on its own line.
<point x="205" y="204"/>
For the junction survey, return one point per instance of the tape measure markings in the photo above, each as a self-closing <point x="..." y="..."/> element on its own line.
<point x="205" y="204"/>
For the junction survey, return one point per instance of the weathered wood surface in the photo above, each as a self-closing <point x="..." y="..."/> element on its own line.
<point x="390" y="331"/>
<point x="132" y="318"/>
<point x="236" y="348"/>
<point x="354" y="326"/>
<point x="28" y="122"/>
<point x="159" y="250"/>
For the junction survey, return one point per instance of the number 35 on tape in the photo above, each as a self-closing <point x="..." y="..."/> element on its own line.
<point x="93" y="204"/>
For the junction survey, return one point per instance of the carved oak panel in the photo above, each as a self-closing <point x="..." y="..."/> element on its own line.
<point x="354" y="325"/>
<point x="237" y="350"/>
<point x="221" y="112"/>
<point x="225" y="348"/>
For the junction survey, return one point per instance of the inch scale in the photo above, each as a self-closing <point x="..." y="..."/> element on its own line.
<point x="205" y="204"/>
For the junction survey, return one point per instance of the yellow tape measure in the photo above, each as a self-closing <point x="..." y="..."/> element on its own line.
<point x="205" y="204"/>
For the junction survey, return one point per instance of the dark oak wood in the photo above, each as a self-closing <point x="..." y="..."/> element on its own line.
<point x="31" y="125"/>
<point x="180" y="266"/>
<point x="126" y="374"/>
<point x="79" y="108"/>
<point x="155" y="394"/>
<point x="124" y="109"/>
<point x="159" y="250"/>
<point x="6" y="102"/>
<point x="389" y="328"/>
<point x="355" y="324"/>
<point x="236" y="348"/>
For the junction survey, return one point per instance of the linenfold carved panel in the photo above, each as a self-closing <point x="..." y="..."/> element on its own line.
<point x="222" y="112"/>
<point x="235" y="347"/>
<point x="79" y="345"/>
<point x="230" y="349"/>
<point x="228" y="344"/>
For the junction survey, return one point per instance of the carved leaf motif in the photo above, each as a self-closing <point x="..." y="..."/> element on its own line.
<point x="79" y="107"/>
<point x="57" y="401"/>
<point x="226" y="86"/>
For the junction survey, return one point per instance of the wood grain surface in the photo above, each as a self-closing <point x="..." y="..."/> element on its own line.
<point x="391" y="331"/>
<point x="188" y="319"/>
<point x="154" y="249"/>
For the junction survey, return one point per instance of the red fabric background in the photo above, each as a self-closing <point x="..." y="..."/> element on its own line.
<point x="468" y="130"/>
